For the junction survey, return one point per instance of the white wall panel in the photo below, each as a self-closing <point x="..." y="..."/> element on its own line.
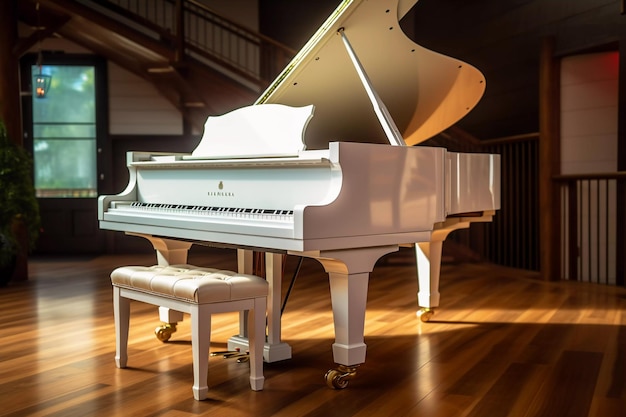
<point x="137" y="108"/>
<point x="589" y="113"/>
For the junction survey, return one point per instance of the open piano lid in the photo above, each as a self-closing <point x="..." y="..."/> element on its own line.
<point x="425" y="92"/>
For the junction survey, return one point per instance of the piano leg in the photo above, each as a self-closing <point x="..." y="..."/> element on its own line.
<point x="274" y="345"/>
<point x="428" y="260"/>
<point x="348" y="272"/>
<point x="349" y="297"/>
<point x="274" y="350"/>
<point x="168" y="252"/>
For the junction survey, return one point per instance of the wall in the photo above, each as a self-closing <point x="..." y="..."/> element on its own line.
<point x="589" y="145"/>
<point x="244" y="12"/>
<point x="137" y="108"/>
<point x="589" y="113"/>
<point x="293" y="22"/>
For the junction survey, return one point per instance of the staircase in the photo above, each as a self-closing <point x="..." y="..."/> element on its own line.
<point x="201" y="62"/>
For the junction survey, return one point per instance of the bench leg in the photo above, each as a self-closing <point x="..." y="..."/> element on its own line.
<point x="200" y="344"/>
<point x="256" y="334"/>
<point x="121" y="313"/>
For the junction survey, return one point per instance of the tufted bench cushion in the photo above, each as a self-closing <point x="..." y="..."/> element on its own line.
<point x="190" y="283"/>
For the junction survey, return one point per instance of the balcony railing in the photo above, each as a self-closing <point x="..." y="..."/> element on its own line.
<point x="514" y="235"/>
<point x="593" y="227"/>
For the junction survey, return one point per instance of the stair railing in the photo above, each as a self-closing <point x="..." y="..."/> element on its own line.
<point x="196" y="32"/>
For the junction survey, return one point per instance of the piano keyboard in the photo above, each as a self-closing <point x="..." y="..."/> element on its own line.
<point x="210" y="211"/>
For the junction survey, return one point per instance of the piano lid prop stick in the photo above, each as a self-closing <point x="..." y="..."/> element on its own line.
<point x="386" y="121"/>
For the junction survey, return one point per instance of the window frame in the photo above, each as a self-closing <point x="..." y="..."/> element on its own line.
<point x="101" y="106"/>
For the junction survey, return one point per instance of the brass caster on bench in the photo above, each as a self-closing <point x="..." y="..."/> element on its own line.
<point x="164" y="331"/>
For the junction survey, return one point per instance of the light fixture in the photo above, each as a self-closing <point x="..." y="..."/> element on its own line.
<point x="41" y="81"/>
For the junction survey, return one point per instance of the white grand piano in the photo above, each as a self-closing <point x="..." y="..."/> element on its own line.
<point x="323" y="166"/>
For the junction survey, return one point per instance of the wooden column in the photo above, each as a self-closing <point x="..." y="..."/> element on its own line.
<point x="549" y="163"/>
<point x="10" y="106"/>
<point x="10" y="103"/>
<point x="620" y="236"/>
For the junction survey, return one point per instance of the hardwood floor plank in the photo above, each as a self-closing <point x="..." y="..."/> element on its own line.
<point x="505" y="392"/>
<point x="562" y="393"/>
<point x="502" y="343"/>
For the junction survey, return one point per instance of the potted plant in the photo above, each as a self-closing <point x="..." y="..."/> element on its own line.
<point x="19" y="209"/>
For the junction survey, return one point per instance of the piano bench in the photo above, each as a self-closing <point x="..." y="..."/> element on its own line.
<point x="199" y="292"/>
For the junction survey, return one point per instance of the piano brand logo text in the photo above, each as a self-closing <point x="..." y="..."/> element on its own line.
<point x="220" y="193"/>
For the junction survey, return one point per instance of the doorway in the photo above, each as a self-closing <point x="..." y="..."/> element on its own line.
<point x="65" y="128"/>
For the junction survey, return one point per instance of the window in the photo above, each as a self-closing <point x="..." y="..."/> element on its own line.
<point x="64" y="133"/>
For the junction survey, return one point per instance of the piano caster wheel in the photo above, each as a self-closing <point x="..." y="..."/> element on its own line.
<point x="339" y="378"/>
<point x="164" y="331"/>
<point x="425" y="314"/>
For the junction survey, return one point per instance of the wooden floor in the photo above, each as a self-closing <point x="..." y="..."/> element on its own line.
<point x="502" y="344"/>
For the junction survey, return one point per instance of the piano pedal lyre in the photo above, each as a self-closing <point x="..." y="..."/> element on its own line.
<point x="338" y="378"/>
<point x="164" y="331"/>
<point x="233" y="354"/>
<point x="226" y="353"/>
<point x="425" y="314"/>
